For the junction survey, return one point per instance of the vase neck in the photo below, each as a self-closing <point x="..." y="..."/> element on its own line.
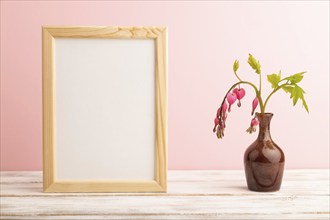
<point x="264" y="126"/>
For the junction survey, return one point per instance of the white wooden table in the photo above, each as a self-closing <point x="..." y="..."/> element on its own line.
<point x="191" y="195"/>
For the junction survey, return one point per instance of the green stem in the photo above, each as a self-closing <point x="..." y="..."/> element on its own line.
<point x="262" y="109"/>
<point x="260" y="83"/>
<point x="239" y="79"/>
<point x="275" y="90"/>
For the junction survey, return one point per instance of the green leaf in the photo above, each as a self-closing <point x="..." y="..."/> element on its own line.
<point x="296" y="78"/>
<point x="274" y="79"/>
<point x="305" y="104"/>
<point x="254" y="64"/>
<point x="287" y="89"/>
<point x="301" y="97"/>
<point x="236" y="66"/>
<point x="296" y="93"/>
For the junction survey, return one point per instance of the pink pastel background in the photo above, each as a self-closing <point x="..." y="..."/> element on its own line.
<point x="204" y="40"/>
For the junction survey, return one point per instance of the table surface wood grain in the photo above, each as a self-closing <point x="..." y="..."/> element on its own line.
<point x="191" y="195"/>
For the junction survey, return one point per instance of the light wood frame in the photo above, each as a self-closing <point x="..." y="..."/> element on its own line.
<point x="159" y="34"/>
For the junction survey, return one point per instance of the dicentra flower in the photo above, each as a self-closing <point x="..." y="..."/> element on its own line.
<point x="220" y="129"/>
<point x="224" y="107"/>
<point x="216" y="123"/>
<point x="231" y="98"/>
<point x="254" y="104"/>
<point x="253" y="125"/>
<point x="240" y="93"/>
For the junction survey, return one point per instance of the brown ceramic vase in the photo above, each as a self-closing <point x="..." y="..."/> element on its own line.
<point x="264" y="160"/>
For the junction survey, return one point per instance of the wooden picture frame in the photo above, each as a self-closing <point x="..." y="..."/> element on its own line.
<point x="55" y="119"/>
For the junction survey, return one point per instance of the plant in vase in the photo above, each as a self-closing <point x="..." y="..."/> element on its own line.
<point x="263" y="159"/>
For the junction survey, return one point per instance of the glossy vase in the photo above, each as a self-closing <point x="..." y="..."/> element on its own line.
<point x="264" y="160"/>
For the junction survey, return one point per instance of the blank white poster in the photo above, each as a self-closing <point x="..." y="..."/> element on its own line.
<point x="105" y="109"/>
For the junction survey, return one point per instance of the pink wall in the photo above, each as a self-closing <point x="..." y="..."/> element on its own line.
<point x="204" y="39"/>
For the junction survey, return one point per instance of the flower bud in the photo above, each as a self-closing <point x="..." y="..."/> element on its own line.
<point x="231" y="98"/>
<point x="220" y="131"/>
<point x="254" y="104"/>
<point x="254" y="123"/>
<point x="224" y="117"/>
<point x="216" y="123"/>
<point x="224" y="107"/>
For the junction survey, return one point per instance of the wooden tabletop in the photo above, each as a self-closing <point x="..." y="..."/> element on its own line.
<point x="191" y="195"/>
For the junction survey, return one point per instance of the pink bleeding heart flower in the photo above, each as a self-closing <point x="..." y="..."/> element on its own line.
<point x="223" y="119"/>
<point x="216" y="123"/>
<point x="224" y="107"/>
<point x="222" y="110"/>
<point x="254" y="104"/>
<point x="231" y="98"/>
<point x="254" y="123"/>
<point x="220" y="129"/>
<point x="220" y="120"/>
<point x="240" y="93"/>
